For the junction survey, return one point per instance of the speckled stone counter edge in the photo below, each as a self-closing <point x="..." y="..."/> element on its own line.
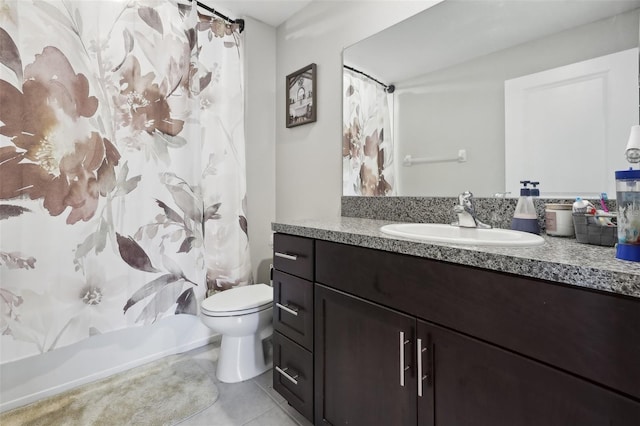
<point x="609" y="275"/>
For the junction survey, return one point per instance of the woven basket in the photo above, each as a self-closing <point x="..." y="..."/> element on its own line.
<point x="588" y="231"/>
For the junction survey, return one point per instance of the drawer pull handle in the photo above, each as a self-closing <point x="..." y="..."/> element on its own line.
<point x="421" y="377"/>
<point x="403" y="368"/>
<point x="287" y="256"/>
<point x="283" y="371"/>
<point x="293" y="310"/>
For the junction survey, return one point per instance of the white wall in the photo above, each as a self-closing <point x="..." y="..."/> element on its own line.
<point x="260" y="134"/>
<point x="37" y="377"/>
<point x="308" y="157"/>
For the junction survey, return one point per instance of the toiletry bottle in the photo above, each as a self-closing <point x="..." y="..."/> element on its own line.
<point x="579" y="206"/>
<point x="525" y="217"/>
<point x="583" y="207"/>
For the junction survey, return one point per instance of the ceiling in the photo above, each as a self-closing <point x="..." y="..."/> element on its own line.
<point x="454" y="31"/>
<point x="272" y="12"/>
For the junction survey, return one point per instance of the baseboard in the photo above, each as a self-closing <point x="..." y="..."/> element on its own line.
<point x="63" y="387"/>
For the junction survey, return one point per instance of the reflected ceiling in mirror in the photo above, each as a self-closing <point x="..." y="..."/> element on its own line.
<point x="449" y="65"/>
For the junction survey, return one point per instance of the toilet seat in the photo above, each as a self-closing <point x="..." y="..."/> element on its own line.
<point x="238" y="301"/>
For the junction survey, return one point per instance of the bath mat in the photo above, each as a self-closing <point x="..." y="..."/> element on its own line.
<point x="163" y="392"/>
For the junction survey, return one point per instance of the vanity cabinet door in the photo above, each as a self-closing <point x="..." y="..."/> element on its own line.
<point x="293" y="308"/>
<point x="363" y="362"/>
<point x="293" y="374"/>
<point x="472" y="383"/>
<point x="294" y="255"/>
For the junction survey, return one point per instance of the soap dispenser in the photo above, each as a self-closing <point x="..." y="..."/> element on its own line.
<point x="525" y="217"/>
<point x="535" y="192"/>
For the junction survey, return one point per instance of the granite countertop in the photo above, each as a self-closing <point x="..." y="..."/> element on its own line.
<point x="559" y="259"/>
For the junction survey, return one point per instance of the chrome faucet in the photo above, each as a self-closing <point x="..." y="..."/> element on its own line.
<point x="466" y="212"/>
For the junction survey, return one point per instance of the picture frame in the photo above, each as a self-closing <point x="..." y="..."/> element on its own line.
<point x="300" y="97"/>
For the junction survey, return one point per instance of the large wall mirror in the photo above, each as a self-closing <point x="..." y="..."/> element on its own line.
<point x="485" y="93"/>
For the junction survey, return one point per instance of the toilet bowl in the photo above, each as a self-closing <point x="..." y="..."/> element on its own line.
<point x="243" y="316"/>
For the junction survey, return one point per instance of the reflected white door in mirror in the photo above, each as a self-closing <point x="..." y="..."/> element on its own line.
<point x="578" y="113"/>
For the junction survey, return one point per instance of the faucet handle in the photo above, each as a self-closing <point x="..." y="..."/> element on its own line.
<point x="464" y="199"/>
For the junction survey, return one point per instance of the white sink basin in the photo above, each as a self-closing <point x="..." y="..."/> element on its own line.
<point x="442" y="233"/>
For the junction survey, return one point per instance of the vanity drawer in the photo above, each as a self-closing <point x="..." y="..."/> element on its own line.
<point x="592" y="334"/>
<point x="293" y="308"/>
<point x="293" y="374"/>
<point x="293" y="255"/>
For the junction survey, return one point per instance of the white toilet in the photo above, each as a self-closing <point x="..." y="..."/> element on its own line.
<point x="243" y="315"/>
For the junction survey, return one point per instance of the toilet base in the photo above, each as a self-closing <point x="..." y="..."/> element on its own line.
<point x="241" y="358"/>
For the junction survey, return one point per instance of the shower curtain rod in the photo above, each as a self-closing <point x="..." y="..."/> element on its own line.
<point x="240" y="22"/>
<point x="388" y="88"/>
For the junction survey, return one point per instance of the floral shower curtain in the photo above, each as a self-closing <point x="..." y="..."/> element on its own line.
<point x="367" y="137"/>
<point x="122" y="181"/>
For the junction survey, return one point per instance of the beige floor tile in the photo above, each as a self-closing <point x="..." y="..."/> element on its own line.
<point x="265" y="381"/>
<point x="274" y="417"/>
<point x="299" y="418"/>
<point x="238" y="403"/>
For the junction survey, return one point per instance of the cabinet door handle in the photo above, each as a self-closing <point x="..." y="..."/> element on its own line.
<point x="421" y="377"/>
<point x="286" y="256"/>
<point x="403" y="368"/>
<point x="286" y="375"/>
<point x="293" y="310"/>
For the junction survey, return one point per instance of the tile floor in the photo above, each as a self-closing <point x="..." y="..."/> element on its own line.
<point x="249" y="403"/>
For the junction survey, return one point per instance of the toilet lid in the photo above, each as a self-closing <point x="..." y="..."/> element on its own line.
<point x="239" y="299"/>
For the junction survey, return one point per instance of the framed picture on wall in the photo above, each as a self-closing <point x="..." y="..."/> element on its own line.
<point x="301" y="96"/>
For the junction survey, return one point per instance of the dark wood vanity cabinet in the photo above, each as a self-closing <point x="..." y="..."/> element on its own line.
<point x="401" y="340"/>
<point x="470" y="382"/>
<point x="367" y="337"/>
<point x="360" y="368"/>
<point x="293" y="321"/>
<point x="369" y="359"/>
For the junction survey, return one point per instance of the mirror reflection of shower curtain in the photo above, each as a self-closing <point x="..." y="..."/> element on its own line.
<point x="367" y="138"/>
<point x="122" y="178"/>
